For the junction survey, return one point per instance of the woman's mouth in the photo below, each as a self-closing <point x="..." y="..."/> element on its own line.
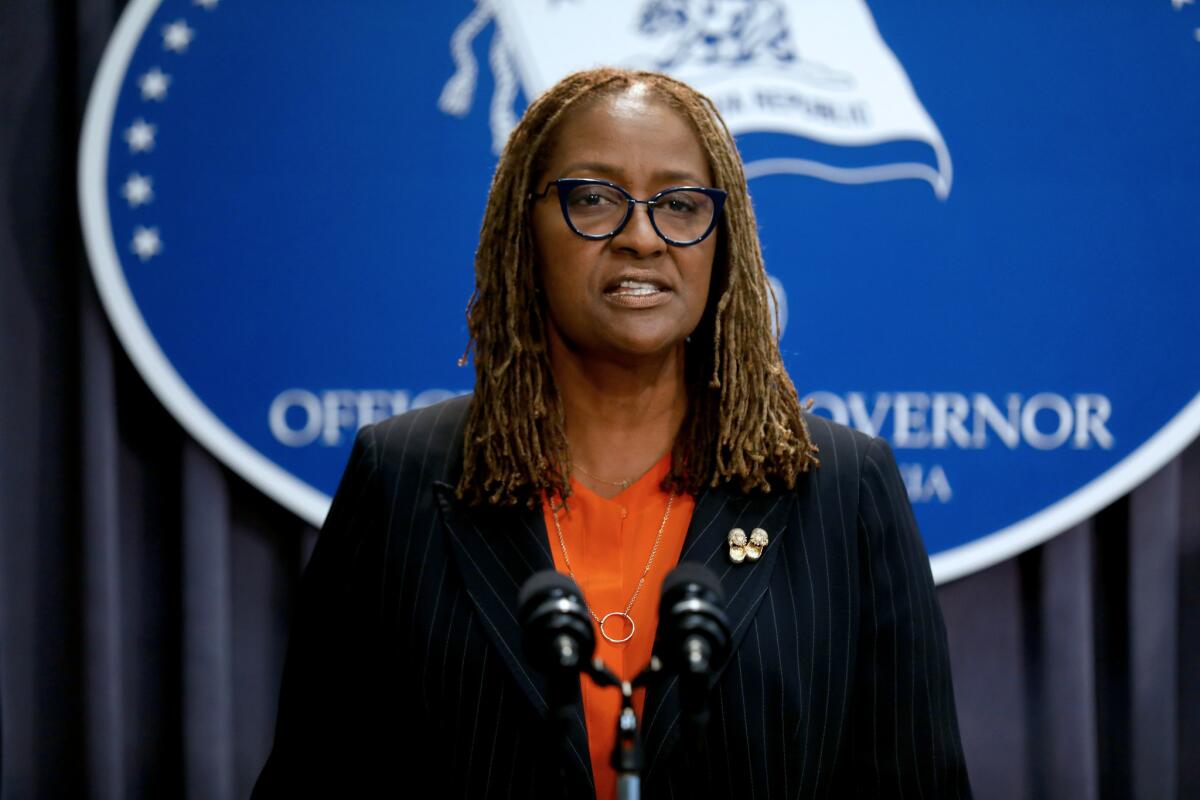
<point x="629" y="293"/>
<point x="635" y="288"/>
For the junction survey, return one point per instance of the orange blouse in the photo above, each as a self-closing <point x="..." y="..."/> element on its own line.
<point x="609" y="542"/>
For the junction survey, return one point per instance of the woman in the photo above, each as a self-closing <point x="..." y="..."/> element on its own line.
<point x="631" y="411"/>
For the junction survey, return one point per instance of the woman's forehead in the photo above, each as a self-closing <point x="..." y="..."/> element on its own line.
<point x="628" y="110"/>
<point x="633" y="132"/>
<point x="633" y="99"/>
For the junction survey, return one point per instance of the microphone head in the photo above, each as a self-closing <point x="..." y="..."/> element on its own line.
<point x="692" y="572"/>
<point x="693" y="630"/>
<point x="548" y="582"/>
<point x="557" y="633"/>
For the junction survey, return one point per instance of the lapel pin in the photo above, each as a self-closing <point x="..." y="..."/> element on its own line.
<point x="737" y="545"/>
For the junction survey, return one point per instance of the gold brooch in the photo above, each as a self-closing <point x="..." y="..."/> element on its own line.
<point x="758" y="540"/>
<point x="741" y="548"/>
<point x="737" y="545"/>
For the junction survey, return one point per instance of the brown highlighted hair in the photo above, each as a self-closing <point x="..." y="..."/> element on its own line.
<point x="743" y="422"/>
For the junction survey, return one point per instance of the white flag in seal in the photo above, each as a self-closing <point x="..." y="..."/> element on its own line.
<point x="816" y="69"/>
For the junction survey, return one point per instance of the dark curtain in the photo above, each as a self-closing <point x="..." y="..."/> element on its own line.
<point x="145" y="590"/>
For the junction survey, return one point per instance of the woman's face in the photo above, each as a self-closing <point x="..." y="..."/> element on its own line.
<point x="638" y="142"/>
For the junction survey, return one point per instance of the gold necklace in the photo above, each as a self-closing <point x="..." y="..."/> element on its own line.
<point x="624" y="484"/>
<point x="629" y="606"/>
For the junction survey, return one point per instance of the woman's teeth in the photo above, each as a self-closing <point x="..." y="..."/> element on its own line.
<point x="635" y="288"/>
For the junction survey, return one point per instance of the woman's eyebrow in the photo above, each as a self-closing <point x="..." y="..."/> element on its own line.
<point x="598" y="167"/>
<point x="617" y="174"/>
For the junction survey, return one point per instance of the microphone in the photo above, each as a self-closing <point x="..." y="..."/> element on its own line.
<point x="559" y="641"/>
<point x="693" y="640"/>
<point x="557" y="638"/>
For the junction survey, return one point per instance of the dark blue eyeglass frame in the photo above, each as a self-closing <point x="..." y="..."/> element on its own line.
<point x="566" y="185"/>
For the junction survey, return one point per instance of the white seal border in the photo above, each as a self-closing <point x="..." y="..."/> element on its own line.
<point x="143" y="349"/>
<point x="312" y="505"/>
<point x="1120" y="479"/>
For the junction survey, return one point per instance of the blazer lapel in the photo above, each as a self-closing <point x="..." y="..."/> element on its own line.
<point x="717" y="512"/>
<point x="497" y="550"/>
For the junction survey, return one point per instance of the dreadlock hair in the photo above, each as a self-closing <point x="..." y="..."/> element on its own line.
<point x="743" y="421"/>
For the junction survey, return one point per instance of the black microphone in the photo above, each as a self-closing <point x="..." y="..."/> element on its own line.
<point x="693" y="640"/>
<point x="557" y="637"/>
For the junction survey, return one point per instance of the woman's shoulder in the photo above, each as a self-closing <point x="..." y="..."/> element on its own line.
<point x="431" y="435"/>
<point x="848" y="455"/>
<point x="841" y="448"/>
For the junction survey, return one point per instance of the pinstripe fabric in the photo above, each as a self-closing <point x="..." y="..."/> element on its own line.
<point x="405" y="665"/>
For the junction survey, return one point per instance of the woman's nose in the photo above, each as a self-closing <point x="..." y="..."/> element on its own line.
<point x="638" y="237"/>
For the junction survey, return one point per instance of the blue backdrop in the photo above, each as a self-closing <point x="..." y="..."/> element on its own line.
<point x="982" y="220"/>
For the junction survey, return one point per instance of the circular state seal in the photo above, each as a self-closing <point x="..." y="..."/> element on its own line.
<point x="280" y="209"/>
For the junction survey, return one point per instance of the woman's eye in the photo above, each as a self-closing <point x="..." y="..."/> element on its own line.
<point x="591" y="199"/>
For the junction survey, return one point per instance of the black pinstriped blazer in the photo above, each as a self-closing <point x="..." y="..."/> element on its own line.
<point x="405" y="678"/>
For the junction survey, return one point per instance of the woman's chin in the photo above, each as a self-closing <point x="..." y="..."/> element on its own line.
<point x="642" y="349"/>
<point x="625" y="344"/>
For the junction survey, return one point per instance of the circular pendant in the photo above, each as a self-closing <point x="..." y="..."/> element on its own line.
<point x="632" y="627"/>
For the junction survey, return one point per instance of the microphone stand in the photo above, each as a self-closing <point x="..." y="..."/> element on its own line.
<point x="627" y="757"/>
<point x="551" y="604"/>
<point x="627" y="752"/>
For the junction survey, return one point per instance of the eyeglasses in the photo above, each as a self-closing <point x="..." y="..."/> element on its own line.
<point x="596" y="209"/>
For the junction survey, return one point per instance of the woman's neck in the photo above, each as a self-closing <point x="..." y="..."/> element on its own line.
<point x="620" y="417"/>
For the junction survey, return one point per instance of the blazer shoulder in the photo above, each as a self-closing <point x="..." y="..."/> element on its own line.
<point x="430" y="436"/>
<point x="841" y="448"/>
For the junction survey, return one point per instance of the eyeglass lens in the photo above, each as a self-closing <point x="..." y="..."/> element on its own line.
<point x="681" y="215"/>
